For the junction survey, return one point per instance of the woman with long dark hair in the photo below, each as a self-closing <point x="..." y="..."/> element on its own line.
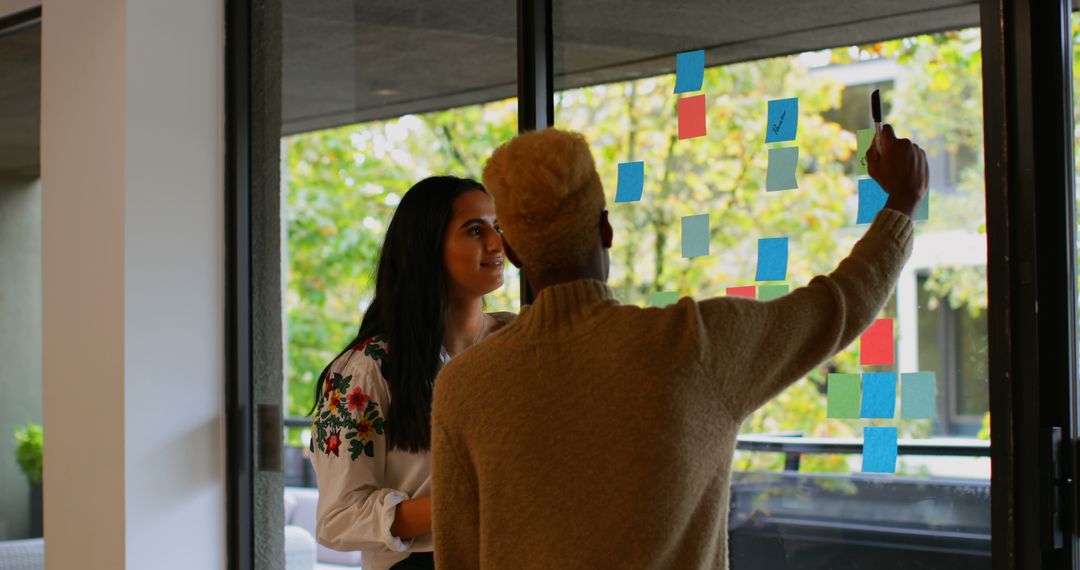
<point x="371" y="434"/>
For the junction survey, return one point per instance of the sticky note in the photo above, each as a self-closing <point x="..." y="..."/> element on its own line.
<point x="772" y="259"/>
<point x="749" y="292"/>
<point x="878" y="395"/>
<point x="879" y="450"/>
<point x="918" y="395"/>
<point x="691" y="117"/>
<point x="876" y="344"/>
<point x="922" y="212"/>
<point x="783" y="120"/>
<point x="871" y="200"/>
<point x="695" y="235"/>
<point x="664" y="298"/>
<point x="770" y="292"/>
<point x="631" y="181"/>
<point x="689" y="71"/>
<point x="782" y="163"/>
<point x="863" y="138"/>
<point x="843" y="395"/>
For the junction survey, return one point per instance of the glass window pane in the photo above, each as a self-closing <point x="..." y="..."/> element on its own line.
<point x="374" y="97"/>
<point x="812" y="506"/>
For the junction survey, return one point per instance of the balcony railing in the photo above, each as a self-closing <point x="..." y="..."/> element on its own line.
<point x="791" y="519"/>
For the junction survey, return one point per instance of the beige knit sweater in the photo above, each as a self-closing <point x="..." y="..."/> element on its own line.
<point x="589" y="434"/>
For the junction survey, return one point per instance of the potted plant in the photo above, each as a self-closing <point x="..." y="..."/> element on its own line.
<point x="29" y="453"/>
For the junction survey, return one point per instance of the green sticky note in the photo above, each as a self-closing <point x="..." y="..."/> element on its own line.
<point x="863" y="138"/>
<point x="664" y="298"/>
<point x="918" y="395"/>
<point x="844" y="395"/>
<point x="770" y="292"/>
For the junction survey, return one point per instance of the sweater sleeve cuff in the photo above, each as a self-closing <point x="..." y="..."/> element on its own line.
<point x="895" y="224"/>
<point x="389" y="509"/>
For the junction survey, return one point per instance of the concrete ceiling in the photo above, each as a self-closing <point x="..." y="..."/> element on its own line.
<point x="350" y="61"/>
<point x="20" y="103"/>
<point x="347" y="61"/>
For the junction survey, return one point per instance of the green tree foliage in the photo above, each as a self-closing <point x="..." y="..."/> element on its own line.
<point x="344" y="182"/>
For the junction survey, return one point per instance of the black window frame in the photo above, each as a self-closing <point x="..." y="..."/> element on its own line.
<point x="1030" y="272"/>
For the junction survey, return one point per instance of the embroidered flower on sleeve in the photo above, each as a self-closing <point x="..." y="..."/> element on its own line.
<point x="333" y="442"/>
<point x="358" y="399"/>
<point x="347" y="416"/>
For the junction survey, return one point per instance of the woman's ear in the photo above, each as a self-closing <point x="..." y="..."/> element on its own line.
<point x="509" y="251"/>
<point x="607" y="234"/>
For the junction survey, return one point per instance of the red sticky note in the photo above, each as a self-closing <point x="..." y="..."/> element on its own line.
<point x="749" y="292"/>
<point x="691" y="117"/>
<point x="876" y="344"/>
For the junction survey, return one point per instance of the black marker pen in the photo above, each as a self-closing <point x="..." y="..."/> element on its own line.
<point x="875" y="110"/>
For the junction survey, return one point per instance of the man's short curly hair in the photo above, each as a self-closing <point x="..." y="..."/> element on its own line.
<point x="548" y="197"/>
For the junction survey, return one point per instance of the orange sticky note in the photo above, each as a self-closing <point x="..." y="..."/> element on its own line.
<point x="691" y="117"/>
<point x="876" y="345"/>
<point x="749" y="292"/>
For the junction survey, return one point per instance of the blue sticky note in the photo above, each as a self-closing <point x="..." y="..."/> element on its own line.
<point x="879" y="450"/>
<point x="689" y="71"/>
<point x="695" y="235"/>
<point x="871" y="200"/>
<point x="631" y="181"/>
<point x="783" y="120"/>
<point x="918" y="395"/>
<point x="878" y="395"/>
<point x="782" y="163"/>
<point x="772" y="259"/>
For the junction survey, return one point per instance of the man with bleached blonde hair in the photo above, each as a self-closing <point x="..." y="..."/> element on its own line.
<point x="591" y="434"/>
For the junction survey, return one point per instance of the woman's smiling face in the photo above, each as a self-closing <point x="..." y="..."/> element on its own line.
<point x="472" y="247"/>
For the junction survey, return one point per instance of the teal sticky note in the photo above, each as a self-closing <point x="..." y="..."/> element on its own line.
<point x="922" y="212"/>
<point x="772" y="259"/>
<point x="871" y="200"/>
<point x="770" y="292"/>
<point x="689" y="71"/>
<point x="781" y="174"/>
<point x="863" y="139"/>
<point x="664" y="298"/>
<point x="783" y="120"/>
<point x="695" y="235"/>
<point x="918" y="395"/>
<point x="879" y="450"/>
<point x="878" y="395"/>
<point x="631" y="181"/>
<point x="843" y="395"/>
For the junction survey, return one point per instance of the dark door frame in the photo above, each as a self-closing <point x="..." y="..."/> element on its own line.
<point x="1027" y="105"/>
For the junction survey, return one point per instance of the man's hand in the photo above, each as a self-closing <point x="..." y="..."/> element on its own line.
<point x="900" y="169"/>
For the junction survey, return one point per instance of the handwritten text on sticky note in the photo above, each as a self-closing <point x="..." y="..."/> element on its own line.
<point x="783" y="120"/>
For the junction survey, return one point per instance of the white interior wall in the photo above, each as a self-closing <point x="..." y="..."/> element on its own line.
<point x="133" y="267"/>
